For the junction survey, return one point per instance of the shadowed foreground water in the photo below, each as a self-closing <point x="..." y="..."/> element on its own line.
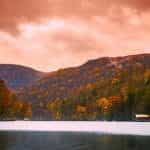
<point x="71" y="141"/>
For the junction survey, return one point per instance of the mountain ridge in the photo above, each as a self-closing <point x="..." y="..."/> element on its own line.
<point x="17" y="76"/>
<point x="61" y="83"/>
<point x="107" y="88"/>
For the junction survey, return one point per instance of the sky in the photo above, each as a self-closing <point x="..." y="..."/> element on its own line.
<point x="52" y="34"/>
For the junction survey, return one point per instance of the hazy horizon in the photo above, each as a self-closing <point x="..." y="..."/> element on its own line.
<point x="48" y="35"/>
<point x="71" y="66"/>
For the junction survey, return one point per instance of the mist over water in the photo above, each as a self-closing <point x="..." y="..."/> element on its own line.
<point x="123" y="128"/>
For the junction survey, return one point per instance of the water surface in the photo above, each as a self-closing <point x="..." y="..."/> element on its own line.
<point x="71" y="141"/>
<point x="28" y="135"/>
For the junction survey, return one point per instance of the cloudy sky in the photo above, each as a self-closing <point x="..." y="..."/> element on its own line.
<point x="52" y="34"/>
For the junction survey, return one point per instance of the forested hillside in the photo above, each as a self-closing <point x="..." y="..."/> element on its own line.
<point x="64" y="82"/>
<point x="118" y="98"/>
<point x="17" y="76"/>
<point x="102" y="89"/>
<point x="11" y="108"/>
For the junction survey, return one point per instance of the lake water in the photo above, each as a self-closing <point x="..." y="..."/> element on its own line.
<point x="74" y="136"/>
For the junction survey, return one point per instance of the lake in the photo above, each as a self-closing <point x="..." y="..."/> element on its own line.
<point x="22" y="135"/>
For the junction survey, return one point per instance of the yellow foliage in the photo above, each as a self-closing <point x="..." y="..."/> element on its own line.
<point x="96" y="71"/>
<point x="110" y="103"/>
<point x="114" y="99"/>
<point x="115" y="80"/>
<point x="81" y="109"/>
<point x="147" y="73"/>
<point x="58" y="116"/>
<point x="101" y="102"/>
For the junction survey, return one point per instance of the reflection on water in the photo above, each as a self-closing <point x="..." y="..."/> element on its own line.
<point x="71" y="141"/>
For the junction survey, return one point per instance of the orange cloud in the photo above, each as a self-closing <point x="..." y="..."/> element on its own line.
<point x="12" y="13"/>
<point x="48" y="35"/>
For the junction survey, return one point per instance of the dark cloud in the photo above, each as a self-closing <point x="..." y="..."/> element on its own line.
<point x="77" y="30"/>
<point x="139" y="5"/>
<point x="14" y="12"/>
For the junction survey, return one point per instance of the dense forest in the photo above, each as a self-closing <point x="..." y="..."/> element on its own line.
<point x="102" y="89"/>
<point x="10" y="107"/>
<point x="114" y="99"/>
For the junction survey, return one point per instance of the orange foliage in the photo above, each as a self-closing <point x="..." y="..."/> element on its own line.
<point x="81" y="109"/>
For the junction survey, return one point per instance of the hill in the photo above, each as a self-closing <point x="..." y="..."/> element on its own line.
<point x="101" y="89"/>
<point x="108" y="88"/>
<point x="17" y="76"/>
<point x="64" y="82"/>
